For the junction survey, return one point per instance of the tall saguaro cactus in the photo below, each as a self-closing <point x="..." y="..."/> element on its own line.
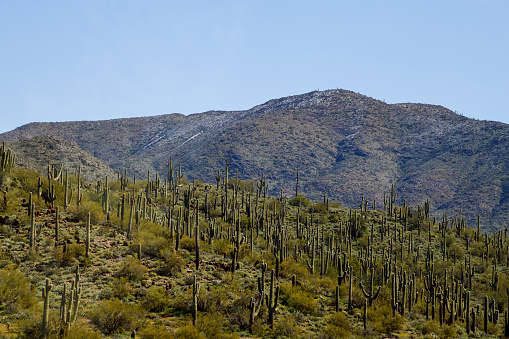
<point x="196" y="291"/>
<point x="45" y="315"/>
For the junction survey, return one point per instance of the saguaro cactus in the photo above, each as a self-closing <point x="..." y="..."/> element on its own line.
<point x="45" y="315"/>
<point x="272" y="299"/>
<point x="196" y="290"/>
<point x="87" y="246"/>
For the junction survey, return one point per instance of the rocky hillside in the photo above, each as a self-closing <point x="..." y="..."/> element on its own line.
<point x="341" y="142"/>
<point x="39" y="151"/>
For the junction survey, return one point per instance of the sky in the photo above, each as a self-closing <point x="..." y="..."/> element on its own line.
<point x="95" y="60"/>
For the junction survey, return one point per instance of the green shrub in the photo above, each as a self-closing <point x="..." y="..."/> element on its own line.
<point x="16" y="291"/>
<point x="132" y="268"/>
<point x="155" y="299"/>
<point x="289" y="268"/>
<point x="188" y="244"/>
<point x="173" y="265"/>
<point x="112" y="316"/>
<point x="299" y="200"/>
<point x="338" y="326"/>
<point x="30" y="326"/>
<point x="188" y="332"/>
<point x="383" y="321"/>
<point x="120" y="288"/>
<point x="298" y="299"/>
<point x="222" y="246"/>
<point x="432" y="327"/>
<point x="286" y="327"/>
<point x="69" y="254"/>
<point x="213" y="300"/>
<point x="155" y="332"/>
<point x="210" y="325"/>
<point x="80" y="331"/>
<point x="87" y="206"/>
<point x="153" y="238"/>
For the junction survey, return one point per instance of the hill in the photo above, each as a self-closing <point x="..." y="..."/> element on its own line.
<point x="344" y="143"/>
<point x="154" y="260"/>
<point x="39" y="151"/>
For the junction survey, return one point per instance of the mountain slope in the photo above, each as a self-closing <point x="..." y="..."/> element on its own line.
<point x="341" y="142"/>
<point x="40" y="151"/>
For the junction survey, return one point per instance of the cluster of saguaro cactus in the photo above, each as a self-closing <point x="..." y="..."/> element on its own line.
<point x="69" y="304"/>
<point x="7" y="159"/>
<point x="391" y="256"/>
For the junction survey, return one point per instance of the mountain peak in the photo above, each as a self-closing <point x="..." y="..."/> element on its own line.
<point x="342" y="142"/>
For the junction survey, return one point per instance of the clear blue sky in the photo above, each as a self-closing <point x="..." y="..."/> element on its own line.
<point x="91" y="60"/>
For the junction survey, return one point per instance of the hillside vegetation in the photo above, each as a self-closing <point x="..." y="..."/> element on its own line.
<point x="341" y="142"/>
<point x="167" y="258"/>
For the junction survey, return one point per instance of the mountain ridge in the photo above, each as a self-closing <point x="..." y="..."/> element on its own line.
<point x="342" y="142"/>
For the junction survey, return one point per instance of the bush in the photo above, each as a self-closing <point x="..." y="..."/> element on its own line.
<point x="286" y="326"/>
<point x="383" y="321"/>
<point x="338" y="326"/>
<point x="173" y="265"/>
<point x="153" y="238"/>
<point x="210" y="325"/>
<point x="73" y="253"/>
<point x="188" y="244"/>
<point x="289" y="268"/>
<point x="120" y="288"/>
<point x="16" y="291"/>
<point x="222" y="246"/>
<point x="80" y="331"/>
<point x="132" y="268"/>
<point x="87" y="206"/>
<point x="299" y="200"/>
<point x="188" y="332"/>
<point x="298" y="299"/>
<point x="155" y="300"/>
<point x="112" y="316"/>
<point x="212" y="300"/>
<point x="155" y="332"/>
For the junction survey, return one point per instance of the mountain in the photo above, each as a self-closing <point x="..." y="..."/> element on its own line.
<point x="39" y="151"/>
<point x="344" y="143"/>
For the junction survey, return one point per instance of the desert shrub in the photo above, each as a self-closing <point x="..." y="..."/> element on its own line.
<point x="213" y="299"/>
<point x="31" y="325"/>
<point x="16" y="291"/>
<point x="239" y="316"/>
<point x="338" y="326"/>
<point x="431" y="327"/>
<point x="383" y="321"/>
<point x="188" y="332"/>
<point x="333" y="218"/>
<point x="132" y="268"/>
<point x="120" y="288"/>
<point x="173" y="265"/>
<point x="299" y="200"/>
<point x="155" y="299"/>
<point x="112" y="316"/>
<point x="80" y="331"/>
<point x="188" y="243"/>
<point x="153" y="238"/>
<point x="69" y="254"/>
<point x="210" y="325"/>
<point x="155" y="332"/>
<point x="222" y="246"/>
<point x="286" y="327"/>
<point x="289" y="268"/>
<point x="298" y="299"/>
<point x="87" y="206"/>
<point x="181" y="301"/>
<point x="319" y="207"/>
